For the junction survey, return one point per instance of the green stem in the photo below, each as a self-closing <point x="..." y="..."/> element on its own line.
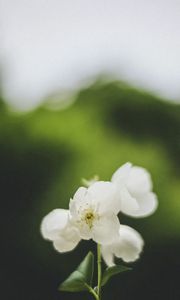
<point x="99" y="271"/>
<point x="93" y="293"/>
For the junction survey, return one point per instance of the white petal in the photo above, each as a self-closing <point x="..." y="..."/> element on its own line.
<point x="84" y="230"/>
<point x="121" y="175"/>
<point x="139" y="181"/>
<point x="103" y="195"/>
<point x="106" y="229"/>
<point x="129" y="245"/>
<point x="77" y="201"/>
<point x="68" y="241"/>
<point x="129" y="205"/>
<point x="63" y="245"/>
<point x="147" y="205"/>
<point x="107" y="255"/>
<point x="80" y="194"/>
<point x="54" y="223"/>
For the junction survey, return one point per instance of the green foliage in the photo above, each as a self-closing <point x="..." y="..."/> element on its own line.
<point x="43" y="156"/>
<point x="108" y="124"/>
<point x="80" y="279"/>
<point x="111" y="271"/>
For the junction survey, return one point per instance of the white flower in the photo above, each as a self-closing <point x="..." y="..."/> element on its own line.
<point x="92" y="215"/>
<point x="128" y="246"/>
<point x="135" y="190"/>
<point x="57" y="228"/>
<point x="94" y="212"/>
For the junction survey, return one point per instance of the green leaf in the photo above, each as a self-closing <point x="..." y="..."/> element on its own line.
<point x="81" y="278"/>
<point x="111" y="271"/>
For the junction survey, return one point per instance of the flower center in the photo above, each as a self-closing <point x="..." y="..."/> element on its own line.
<point x="89" y="217"/>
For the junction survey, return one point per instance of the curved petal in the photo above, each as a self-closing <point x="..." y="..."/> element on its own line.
<point x="84" y="230"/>
<point x="77" y="201"/>
<point x="106" y="229"/>
<point x="139" y="181"/>
<point x="80" y="194"/>
<point x="129" y="245"/>
<point x="147" y="205"/>
<point x="68" y="241"/>
<point x="54" y="223"/>
<point x="62" y="245"/>
<point x="107" y="255"/>
<point x="121" y="175"/>
<point x="103" y="196"/>
<point x="129" y="205"/>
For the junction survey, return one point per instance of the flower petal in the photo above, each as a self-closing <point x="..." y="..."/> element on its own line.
<point x="147" y="205"/>
<point x="128" y="246"/>
<point x="106" y="229"/>
<point x="107" y="255"/>
<point x="139" y="181"/>
<point x="80" y="194"/>
<point x="54" y="223"/>
<point x="134" y="187"/>
<point x="129" y="205"/>
<point x="68" y="241"/>
<point x="84" y="230"/>
<point x="121" y="175"/>
<point x="77" y="201"/>
<point x="103" y="195"/>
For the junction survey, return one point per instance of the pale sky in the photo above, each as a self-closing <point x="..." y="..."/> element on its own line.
<point x="58" y="45"/>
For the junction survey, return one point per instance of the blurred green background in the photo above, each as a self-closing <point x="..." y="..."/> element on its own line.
<point x="43" y="156"/>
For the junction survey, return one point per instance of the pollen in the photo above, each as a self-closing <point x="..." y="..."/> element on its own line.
<point x="89" y="217"/>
